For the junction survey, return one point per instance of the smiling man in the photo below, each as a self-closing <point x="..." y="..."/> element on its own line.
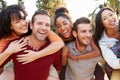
<point x="38" y="69"/>
<point x="81" y="69"/>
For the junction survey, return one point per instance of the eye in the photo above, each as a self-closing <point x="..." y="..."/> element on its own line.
<point x="104" y="18"/>
<point x="65" y="23"/>
<point x="17" y="21"/>
<point x="111" y="14"/>
<point x="48" y="25"/>
<point x="90" y="31"/>
<point x="58" y="26"/>
<point x="83" y="31"/>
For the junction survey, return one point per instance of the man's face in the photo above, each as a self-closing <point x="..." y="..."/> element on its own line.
<point x="41" y="26"/>
<point x="84" y="34"/>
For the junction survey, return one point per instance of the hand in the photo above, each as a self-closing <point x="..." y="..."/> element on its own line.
<point x="65" y="51"/>
<point x="28" y="57"/>
<point x="16" y="46"/>
<point x="72" y="57"/>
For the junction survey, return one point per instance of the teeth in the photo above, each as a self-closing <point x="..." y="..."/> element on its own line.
<point x="112" y="23"/>
<point x="116" y="23"/>
<point x="64" y="32"/>
<point x="24" y="28"/>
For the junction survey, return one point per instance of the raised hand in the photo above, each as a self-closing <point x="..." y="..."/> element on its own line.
<point x="16" y="46"/>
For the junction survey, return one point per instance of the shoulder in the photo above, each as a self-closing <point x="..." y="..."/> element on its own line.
<point x="70" y="43"/>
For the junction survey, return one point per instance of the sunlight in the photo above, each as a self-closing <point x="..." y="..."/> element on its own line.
<point x="79" y="8"/>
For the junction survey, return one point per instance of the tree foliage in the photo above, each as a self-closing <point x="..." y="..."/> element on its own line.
<point x="2" y="4"/>
<point x="21" y="3"/>
<point x="115" y="4"/>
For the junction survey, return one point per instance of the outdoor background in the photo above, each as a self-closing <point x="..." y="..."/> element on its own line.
<point x="77" y="8"/>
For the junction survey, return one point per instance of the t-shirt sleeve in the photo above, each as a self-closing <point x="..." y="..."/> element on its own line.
<point x="3" y="44"/>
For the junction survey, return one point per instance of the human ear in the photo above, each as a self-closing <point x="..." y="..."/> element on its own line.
<point x="74" y="33"/>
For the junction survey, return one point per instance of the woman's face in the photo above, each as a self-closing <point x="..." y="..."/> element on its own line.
<point x="20" y="26"/>
<point x="64" y="27"/>
<point x="109" y="19"/>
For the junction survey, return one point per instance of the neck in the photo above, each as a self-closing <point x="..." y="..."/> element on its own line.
<point x="69" y="39"/>
<point x="111" y="33"/>
<point x="35" y="43"/>
<point x="80" y="47"/>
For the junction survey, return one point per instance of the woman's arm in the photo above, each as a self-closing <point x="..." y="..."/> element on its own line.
<point x="110" y="57"/>
<point x="94" y="53"/>
<point x="13" y="47"/>
<point x="65" y="52"/>
<point x="55" y="45"/>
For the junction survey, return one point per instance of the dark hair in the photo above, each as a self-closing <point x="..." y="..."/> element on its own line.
<point x="61" y="10"/>
<point x="81" y="20"/>
<point x="99" y="25"/>
<point x="64" y="15"/>
<point x="39" y="12"/>
<point x="119" y="25"/>
<point x="7" y="15"/>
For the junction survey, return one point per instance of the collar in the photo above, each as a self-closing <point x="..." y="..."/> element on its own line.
<point x="76" y="50"/>
<point x="106" y="41"/>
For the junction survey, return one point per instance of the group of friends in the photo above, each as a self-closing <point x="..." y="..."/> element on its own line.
<point x="32" y="51"/>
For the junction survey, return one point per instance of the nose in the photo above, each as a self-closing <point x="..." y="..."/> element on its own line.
<point x="109" y="18"/>
<point x="62" y="27"/>
<point x="88" y="34"/>
<point x="24" y="22"/>
<point x="43" y="28"/>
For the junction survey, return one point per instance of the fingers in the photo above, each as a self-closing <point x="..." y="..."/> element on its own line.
<point x="21" y="40"/>
<point x="23" y="59"/>
<point x="26" y="51"/>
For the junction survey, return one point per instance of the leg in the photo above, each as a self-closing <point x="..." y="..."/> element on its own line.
<point x="53" y="74"/>
<point x="99" y="73"/>
<point x="115" y="75"/>
<point x="108" y="70"/>
<point x="7" y="75"/>
<point x="52" y="78"/>
<point x="62" y="73"/>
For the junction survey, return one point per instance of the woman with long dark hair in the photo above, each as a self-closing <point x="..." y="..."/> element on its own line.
<point x="106" y="36"/>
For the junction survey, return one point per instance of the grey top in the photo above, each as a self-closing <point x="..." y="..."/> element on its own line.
<point x="81" y="69"/>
